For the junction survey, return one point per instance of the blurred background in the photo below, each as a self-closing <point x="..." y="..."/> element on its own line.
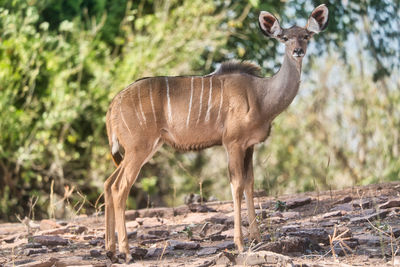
<point x="62" y="61"/>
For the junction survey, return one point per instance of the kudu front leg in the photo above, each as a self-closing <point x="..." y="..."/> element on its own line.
<point x="248" y="190"/>
<point x="237" y="176"/>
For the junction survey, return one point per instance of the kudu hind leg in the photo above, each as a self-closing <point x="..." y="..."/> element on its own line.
<point x="249" y="190"/>
<point x="109" y="209"/>
<point x="133" y="162"/>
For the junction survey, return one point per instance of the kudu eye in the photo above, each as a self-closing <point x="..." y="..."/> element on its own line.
<point x="284" y="38"/>
<point x="306" y="37"/>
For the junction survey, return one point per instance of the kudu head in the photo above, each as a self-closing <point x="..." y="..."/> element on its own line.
<point x="295" y="38"/>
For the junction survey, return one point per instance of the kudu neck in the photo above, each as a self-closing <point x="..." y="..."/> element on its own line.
<point x="280" y="90"/>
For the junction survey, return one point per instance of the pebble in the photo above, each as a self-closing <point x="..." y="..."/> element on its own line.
<point x="95" y="253"/>
<point x="298" y="202"/>
<point x="390" y="204"/>
<point x="226" y="245"/>
<point x="176" y="244"/>
<point x="32" y="251"/>
<point x="138" y="253"/>
<point x="50" y="240"/>
<point x="207" y="251"/>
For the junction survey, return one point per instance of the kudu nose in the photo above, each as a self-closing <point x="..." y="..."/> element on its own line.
<point x="298" y="52"/>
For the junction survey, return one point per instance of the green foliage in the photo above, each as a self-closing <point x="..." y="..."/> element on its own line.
<point x="56" y="87"/>
<point x="148" y="184"/>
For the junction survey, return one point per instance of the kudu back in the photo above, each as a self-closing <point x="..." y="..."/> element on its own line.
<point x="233" y="107"/>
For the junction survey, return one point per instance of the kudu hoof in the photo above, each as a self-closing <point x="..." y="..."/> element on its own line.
<point x="126" y="257"/>
<point x="112" y="257"/>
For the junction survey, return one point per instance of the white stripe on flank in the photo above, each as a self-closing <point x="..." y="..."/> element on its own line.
<point x="137" y="113"/>
<point x="209" y="101"/>
<point x="201" y="99"/>
<point x="122" y="115"/>
<point x="152" y="103"/>
<point x="190" y="103"/>
<point x="140" y="106"/>
<point x="169" y="101"/>
<point x="221" y="100"/>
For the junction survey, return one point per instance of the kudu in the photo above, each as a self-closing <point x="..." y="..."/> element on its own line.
<point x="233" y="107"/>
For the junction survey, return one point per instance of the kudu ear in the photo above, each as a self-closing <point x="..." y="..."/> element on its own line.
<point x="318" y="19"/>
<point x="269" y="24"/>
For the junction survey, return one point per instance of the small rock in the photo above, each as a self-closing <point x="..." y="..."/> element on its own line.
<point x="390" y="204"/>
<point x="344" y="207"/>
<point x="224" y="259"/>
<point x="214" y="229"/>
<point x="373" y="252"/>
<point x="276" y="219"/>
<point x="33" y="263"/>
<point x="217" y="237"/>
<point x="132" y="224"/>
<point x="218" y="219"/>
<point x="147" y="237"/>
<point x="154" y="252"/>
<point x="368" y="239"/>
<point x="290" y="214"/>
<point x="50" y="240"/>
<point x="23" y="263"/>
<point x="329" y="223"/>
<point x="207" y="251"/>
<point x="88" y="237"/>
<point x="77" y="229"/>
<point x="132" y="234"/>
<point x="48" y="225"/>
<point x="202" y="263"/>
<point x="33" y="245"/>
<point x="176" y="244"/>
<point x="343" y="200"/>
<point x="289" y="245"/>
<point x="95" y="253"/>
<point x="226" y="245"/>
<point x="56" y="231"/>
<point x="332" y="214"/>
<point x="159" y="233"/>
<point x="318" y="235"/>
<point x="298" y="202"/>
<point x="263" y="257"/>
<point x="33" y="251"/>
<point x="364" y="204"/>
<point x="261" y="213"/>
<point x="200" y="208"/>
<point x="10" y="239"/>
<point x="156" y="212"/>
<point x="151" y="241"/>
<point x="131" y="215"/>
<point x="381" y="215"/>
<point x="290" y="228"/>
<point x="97" y="241"/>
<point x="395" y="231"/>
<point x="138" y="253"/>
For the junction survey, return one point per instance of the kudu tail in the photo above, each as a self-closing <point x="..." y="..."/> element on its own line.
<point x="113" y="141"/>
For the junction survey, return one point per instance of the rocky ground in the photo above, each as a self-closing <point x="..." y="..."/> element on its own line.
<point x="358" y="226"/>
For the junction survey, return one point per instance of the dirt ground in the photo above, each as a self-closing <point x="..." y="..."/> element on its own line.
<point x="358" y="226"/>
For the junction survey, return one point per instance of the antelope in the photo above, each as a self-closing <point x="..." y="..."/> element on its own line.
<point x="233" y="107"/>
